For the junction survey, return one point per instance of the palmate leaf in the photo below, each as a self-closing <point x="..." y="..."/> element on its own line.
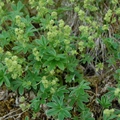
<point x="17" y="7"/>
<point x="58" y="108"/>
<point x="60" y="91"/>
<point x="35" y="104"/>
<point x="42" y="42"/>
<point x="79" y="95"/>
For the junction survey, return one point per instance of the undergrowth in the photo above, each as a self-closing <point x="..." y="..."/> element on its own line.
<point x="54" y="48"/>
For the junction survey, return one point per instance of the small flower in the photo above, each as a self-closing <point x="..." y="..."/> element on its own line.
<point x="106" y="112"/>
<point x="53" y="82"/>
<point x="114" y="1"/>
<point x="76" y="9"/>
<point x="105" y="27"/>
<point x="14" y="57"/>
<point x="22" y="99"/>
<point x="117" y="11"/>
<point x="54" y="14"/>
<point x="108" y="15"/>
<point x="61" y="23"/>
<point x="52" y="22"/>
<point x="52" y="90"/>
<point x="81" y="43"/>
<point x="1" y="50"/>
<point x="117" y="91"/>
<point x="14" y="63"/>
<point x="52" y="72"/>
<point x="17" y="17"/>
<point x="67" y="42"/>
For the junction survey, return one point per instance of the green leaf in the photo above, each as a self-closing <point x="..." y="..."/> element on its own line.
<point x="52" y="52"/>
<point x="42" y="87"/>
<point x="1" y="82"/>
<point x="21" y="90"/>
<point x="52" y="65"/>
<point x="61" y="116"/>
<point x="67" y="114"/>
<point x="26" y="118"/>
<point x="19" y="6"/>
<point x="52" y="112"/>
<point x="51" y="104"/>
<point x="60" y="65"/>
<point x="17" y="48"/>
<point x="42" y="41"/>
<point x="58" y="108"/>
<point x="81" y="104"/>
<point x="7" y="82"/>
<point x="36" y="105"/>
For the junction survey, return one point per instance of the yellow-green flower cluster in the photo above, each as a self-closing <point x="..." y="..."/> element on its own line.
<point x="99" y="66"/>
<point x="32" y="3"/>
<point x="20" y="30"/>
<point x="1" y="50"/>
<point x="105" y="27"/>
<point x="67" y="31"/>
<point x="108" y="15"/>
<point x="18" y="22"/>
<point x="74" y="52"/>
<point x="24" y="106"/>
<point x="52" y="72"/>
<point x="13" y="66"/>
<point x="88" y="26"/>
<point x="89" y="4"/>
<point x="1" y="7"/>
<point x="45" y="82"/>
<point x="50" y="83"/>
<point x="19" y="33"/>
<point x="41" y="7"/>
<point x="36" y="54"/>
<point x="54" y="81"/>
<point x="76" y="9"/>
<point x="114" y="2"/>
<point x="117" y="11"/>
<point x="54" y="85"/>
<point x="84" y="30"/>
<point x="118" y="115"/>
<point x="55" y="32"/>
<point x="81" y="46"/>
<point x="117" y="92"/>
<point x="9" y="54"/>
<point x="108" y="112"/>
<point x="54" y="15"/>
<point x="81" y="15"/>
<point x="50" y="2"/>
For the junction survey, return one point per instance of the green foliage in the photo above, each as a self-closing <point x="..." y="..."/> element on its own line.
<point x="58" y="108"/>
<point x="79" y="96"/>
<point x="41" y="52"/>
<point x="104" y="102"/>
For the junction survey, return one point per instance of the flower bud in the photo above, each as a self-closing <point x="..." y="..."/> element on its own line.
<point x="1" y="50"/>
<point x="54" y="14"/>
<point x="117" y="91"/>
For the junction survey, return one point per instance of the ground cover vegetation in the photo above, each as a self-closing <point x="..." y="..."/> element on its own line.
<point x="59" y="59"/>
